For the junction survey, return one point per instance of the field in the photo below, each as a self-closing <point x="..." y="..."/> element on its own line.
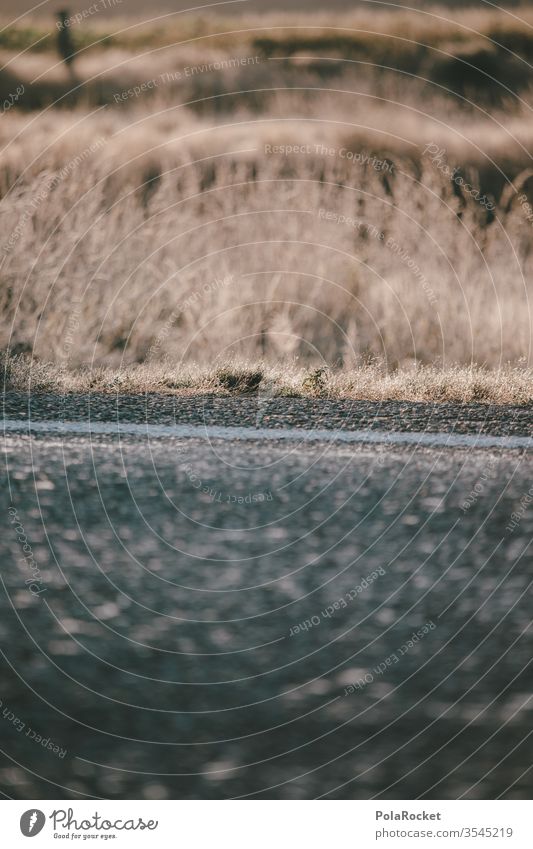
<point x="273" y="196"/>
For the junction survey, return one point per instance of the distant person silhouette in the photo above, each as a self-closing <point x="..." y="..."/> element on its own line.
<point x="65" y="45"/>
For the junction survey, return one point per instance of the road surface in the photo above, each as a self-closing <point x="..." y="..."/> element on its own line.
<point x="212" y="617"/>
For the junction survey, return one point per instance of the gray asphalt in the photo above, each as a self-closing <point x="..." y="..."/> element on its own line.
<point x="251" y="410"/>
<point x="193" y="620"/>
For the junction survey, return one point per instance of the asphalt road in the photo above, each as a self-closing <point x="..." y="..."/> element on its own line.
<point x="273" y="412"/>
<point x="211" y="619"/>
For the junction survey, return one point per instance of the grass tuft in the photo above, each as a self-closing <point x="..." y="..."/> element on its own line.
<point x="239" y="380"/>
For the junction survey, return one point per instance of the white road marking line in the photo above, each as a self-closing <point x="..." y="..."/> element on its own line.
<point x="185" y="431"/>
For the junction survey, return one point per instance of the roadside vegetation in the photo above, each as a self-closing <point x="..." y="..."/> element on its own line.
<point x="351" y="202"/>
<point x="509" y="385"/>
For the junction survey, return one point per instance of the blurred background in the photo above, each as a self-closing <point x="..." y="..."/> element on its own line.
<point x="145" y="159"/>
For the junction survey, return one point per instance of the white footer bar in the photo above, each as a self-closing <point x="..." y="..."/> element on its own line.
<point x="266" y="824"/>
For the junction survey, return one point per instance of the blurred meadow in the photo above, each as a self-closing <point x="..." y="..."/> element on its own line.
<point x="299" y="189"/>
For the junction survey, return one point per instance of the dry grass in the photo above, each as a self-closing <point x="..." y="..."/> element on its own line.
<point x="160" y="229"/>
<point x="369" y="28"/>
<point x="369" y="383"/>
<point x="481" y="54"/>
<point x="175" y="244"/>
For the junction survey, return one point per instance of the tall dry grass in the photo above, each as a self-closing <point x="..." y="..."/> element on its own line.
<point x="167" y="227"/>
